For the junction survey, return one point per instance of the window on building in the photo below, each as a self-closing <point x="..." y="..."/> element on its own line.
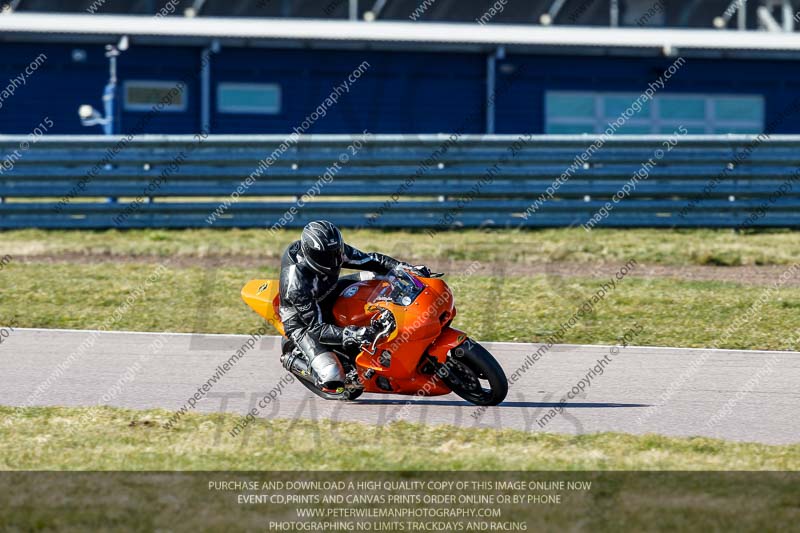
<point x="144" y="95"/>
<point x="249" y="98"/>
<point x="590" y="112"/>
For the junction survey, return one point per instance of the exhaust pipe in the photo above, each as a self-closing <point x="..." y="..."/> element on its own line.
<point x="327" y="374"/>
<point x="296" y="364"/>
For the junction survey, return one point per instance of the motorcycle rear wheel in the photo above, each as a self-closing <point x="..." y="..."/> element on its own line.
<point x="469" y="367"/>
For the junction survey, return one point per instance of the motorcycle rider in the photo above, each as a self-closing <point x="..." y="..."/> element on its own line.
<point x="309" y="286"/>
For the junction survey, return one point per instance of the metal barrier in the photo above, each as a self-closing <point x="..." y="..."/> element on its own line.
<point x="423" y="181"/>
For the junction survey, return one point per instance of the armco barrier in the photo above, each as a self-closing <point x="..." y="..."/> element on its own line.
<point x="705" y="181"/>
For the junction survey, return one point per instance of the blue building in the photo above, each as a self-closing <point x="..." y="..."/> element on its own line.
<point x="266" y="76"/>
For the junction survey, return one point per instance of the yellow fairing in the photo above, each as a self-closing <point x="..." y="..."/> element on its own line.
<point x="262" y="296"/>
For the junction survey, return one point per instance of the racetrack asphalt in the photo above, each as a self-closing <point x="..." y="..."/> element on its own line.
<point x="737" y="395"/>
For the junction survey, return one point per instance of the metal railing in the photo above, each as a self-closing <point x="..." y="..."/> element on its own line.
<point x="423" y="181"/>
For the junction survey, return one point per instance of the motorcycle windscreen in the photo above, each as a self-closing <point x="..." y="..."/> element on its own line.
<point x="415" y="306"/>
<point x="399" y="288"/>
<point x="360" y="301"/>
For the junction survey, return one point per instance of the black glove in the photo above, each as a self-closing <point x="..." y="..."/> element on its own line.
<point x="358" y="336"/>
<point x="421" y="271"/>
<point x="418" y="270"/>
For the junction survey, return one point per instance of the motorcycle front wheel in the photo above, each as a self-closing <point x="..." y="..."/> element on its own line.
<point x="474" y="374"/>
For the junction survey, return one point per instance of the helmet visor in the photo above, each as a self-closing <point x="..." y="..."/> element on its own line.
<point x="326" y="260"/>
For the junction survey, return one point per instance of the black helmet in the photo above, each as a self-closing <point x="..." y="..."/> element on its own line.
<point x="322" y="246"/>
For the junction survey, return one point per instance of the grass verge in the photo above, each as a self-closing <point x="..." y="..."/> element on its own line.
<point x="116" y="478"/>
<point x="653" y="246"/>
<point x="105" y="438"/>
<point x="531" y="308"/>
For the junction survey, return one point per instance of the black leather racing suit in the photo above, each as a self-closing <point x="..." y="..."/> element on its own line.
<point x="307" y="297"/>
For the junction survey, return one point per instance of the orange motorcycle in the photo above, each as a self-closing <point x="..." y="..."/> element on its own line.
<point x="417" y="352"/>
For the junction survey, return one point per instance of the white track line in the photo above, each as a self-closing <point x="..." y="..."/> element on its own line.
<point x="504" y="343"/>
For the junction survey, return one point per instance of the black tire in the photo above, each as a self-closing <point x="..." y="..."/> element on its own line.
<point x="346" y="395"/>
<point x="468" y="368"/>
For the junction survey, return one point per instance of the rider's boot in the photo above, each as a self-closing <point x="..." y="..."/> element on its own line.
<point x="324" y="366"/>
<point x="327" y="371"/>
